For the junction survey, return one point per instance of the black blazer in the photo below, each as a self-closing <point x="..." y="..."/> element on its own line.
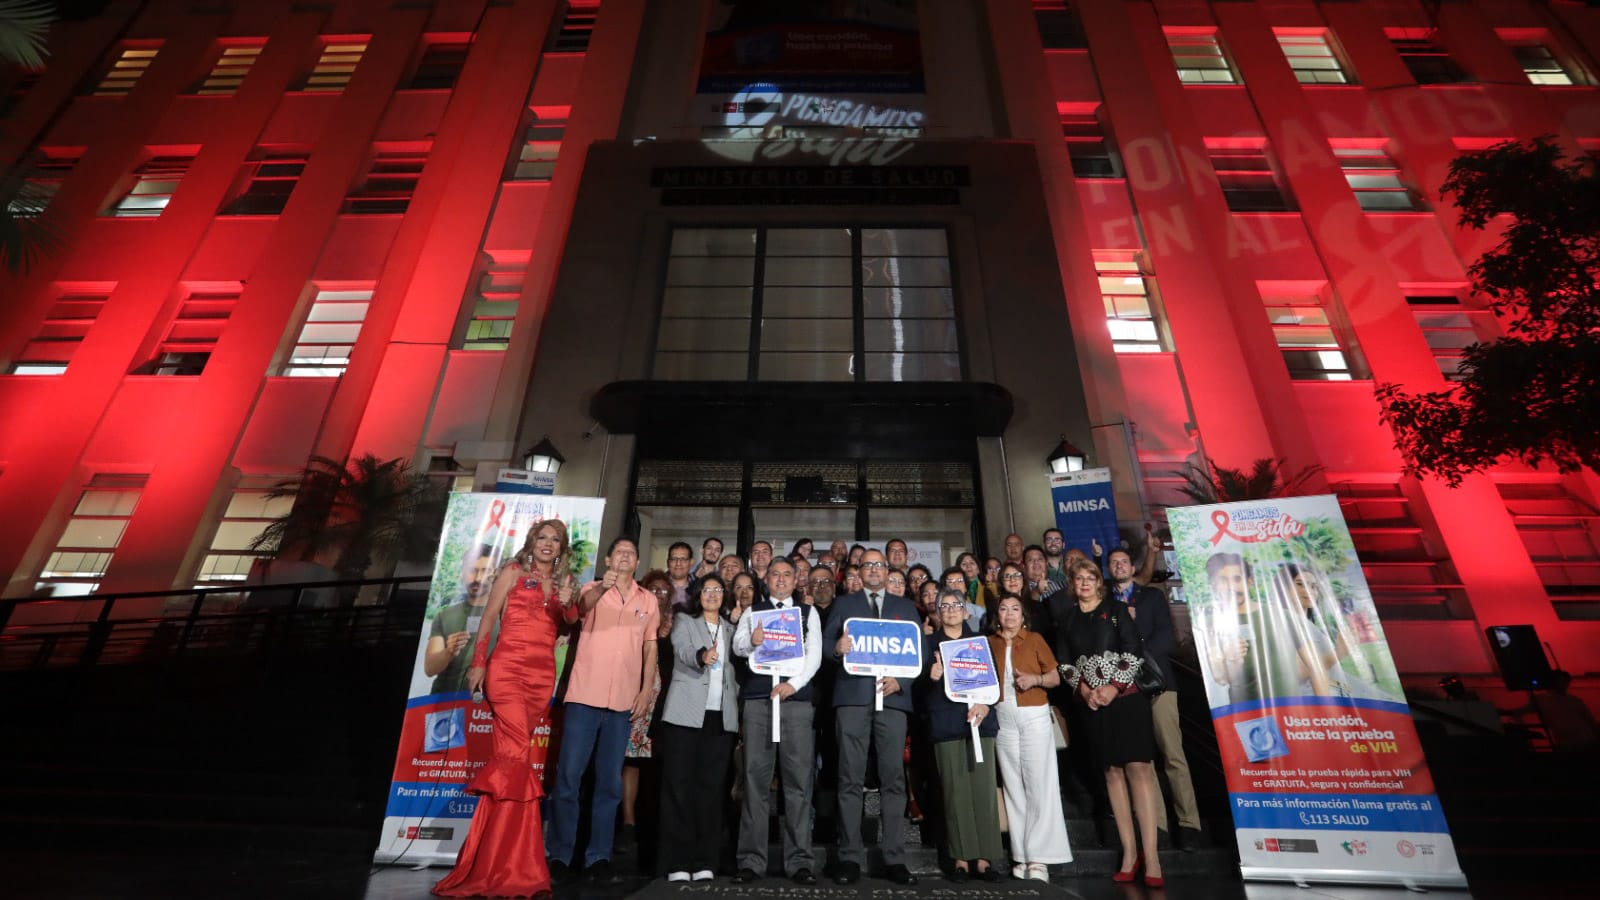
<point x="858" y="690"/>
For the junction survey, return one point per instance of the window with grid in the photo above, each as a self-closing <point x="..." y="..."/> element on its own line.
<point x="1449" y="327"/>
<point x="232" y="64"/>
<point x="1130" y="297"/>
<point x="65" y="326"/>
<point x="1306" y="337"/>
<point x="390" y="181"/>
<point x="541" y="145"/>
<point x="43" y="176"/>
<point x="1539" y="61"/>
<point x="154" y="183"/>
<point x="1427" y="61"/>
<point x="577" y="26"/>
<point x="229" y="558"/>
<point x="332" y="326"/>
<point x="1375" y="178"/>
<point x="1402" y="556"/>
<point x="1059" y="28"/>
<point x="440" y="64"/>
<point x="125" y="71"/>
<point x="818" y="304"/>
<point x="1248" y="181"/>
<point x="494" y="307"/>
<point x="83" y="551"/>
<point x="268" y="178"/>
<point x="1561" y="533"/>
<point x="1200" y="59"/>
<point x="1312" y="59"/>
<point x="1088" y="146"/>
<point x="336" y="63"/>
<point x="190" y="339"/>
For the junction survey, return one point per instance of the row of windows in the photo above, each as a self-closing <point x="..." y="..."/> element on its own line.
<point x="95" y="527"/>
<point x="1200" y="58"/>
<point x="878" y="304"/>
<point x="437" y="65"/>
<point x="269" y="176"/>
<point x="322" y="346"/>
<point x="1401" y="554"/>
<point x="1248" y="178"/>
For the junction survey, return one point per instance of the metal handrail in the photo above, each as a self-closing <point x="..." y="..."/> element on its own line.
<point x="48" y="643"/>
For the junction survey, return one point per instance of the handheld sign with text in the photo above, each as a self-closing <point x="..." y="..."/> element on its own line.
<point x="970" y="678"/>
<point x="883" y="647"/>
<point x="969" y="674"/>
<point x="782" y="653"/>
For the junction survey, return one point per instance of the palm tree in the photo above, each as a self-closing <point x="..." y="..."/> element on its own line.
<point x="367" y="511"/>
<point x="26" y="231"/>
<point x="1266" y="478"/>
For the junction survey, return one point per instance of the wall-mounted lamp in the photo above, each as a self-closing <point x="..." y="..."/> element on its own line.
<point x="543" y="457"/>
<point x="1065" y="458"/>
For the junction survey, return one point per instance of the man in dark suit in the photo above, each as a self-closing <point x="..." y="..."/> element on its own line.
<point x="858" y="724"/>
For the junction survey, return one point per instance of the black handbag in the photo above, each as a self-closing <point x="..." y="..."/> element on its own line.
<point x="1149" y="679"/>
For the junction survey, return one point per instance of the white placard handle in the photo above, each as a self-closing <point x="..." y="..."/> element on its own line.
<point x="775" y="720"/>
<point x="877" y="700"/>
<point x="977" y="745"/>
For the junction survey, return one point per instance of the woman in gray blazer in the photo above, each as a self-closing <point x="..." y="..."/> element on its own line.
<point x="698" y="726"/>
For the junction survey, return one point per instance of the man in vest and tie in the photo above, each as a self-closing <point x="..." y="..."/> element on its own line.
<point x="794" y="753"/>
<point x="858" y="726"/>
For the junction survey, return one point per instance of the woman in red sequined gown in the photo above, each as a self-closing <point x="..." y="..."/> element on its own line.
<point x="503" y="855"/>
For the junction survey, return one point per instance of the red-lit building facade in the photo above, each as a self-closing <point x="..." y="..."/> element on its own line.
<point x="443" y="231"/>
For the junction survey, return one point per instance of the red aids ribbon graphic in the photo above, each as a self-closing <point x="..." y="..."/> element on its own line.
<point x="496" y="510"/>
<point x="1220" y="518"/>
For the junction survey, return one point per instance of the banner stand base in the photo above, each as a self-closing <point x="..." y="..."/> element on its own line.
<point x="1304" y="878"/>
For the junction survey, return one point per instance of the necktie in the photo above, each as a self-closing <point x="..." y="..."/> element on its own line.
<point x="877" y="611"/>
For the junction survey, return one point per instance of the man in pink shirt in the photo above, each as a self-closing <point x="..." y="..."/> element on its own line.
<point x="609" y="688"/>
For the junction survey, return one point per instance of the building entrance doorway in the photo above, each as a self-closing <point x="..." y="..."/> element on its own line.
<point x="856" y="501"/>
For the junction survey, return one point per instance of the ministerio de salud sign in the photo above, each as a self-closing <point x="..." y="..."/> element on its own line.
<point x="810" y="185"/>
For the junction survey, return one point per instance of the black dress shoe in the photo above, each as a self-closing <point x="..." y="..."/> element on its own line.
<point x="847" y="873"/>
<point x="899" y="874"/>
<point x="599" y="872"/>
<point x="804" y="877"/>
<point x="991" y="875"/>
<point x="1190" y="839"/>
<point x="746" y="876"/>
<point x="959" y="876"/>
<point x="560" y="872"/>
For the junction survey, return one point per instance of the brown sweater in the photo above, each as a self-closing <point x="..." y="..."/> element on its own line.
<point x="1030" y="654"/>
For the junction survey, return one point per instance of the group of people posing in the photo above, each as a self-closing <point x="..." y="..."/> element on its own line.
<point x="1057" y="629"/>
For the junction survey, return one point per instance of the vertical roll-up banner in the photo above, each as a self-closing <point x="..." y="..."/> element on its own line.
<point x="1326" y="778"/>
<point x="446" y="737"/>
<point x="1085" y="509"/>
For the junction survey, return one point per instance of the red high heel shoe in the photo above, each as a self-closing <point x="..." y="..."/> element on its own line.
<point x="1131" y="875"/>
<point x="1154" y="881"/>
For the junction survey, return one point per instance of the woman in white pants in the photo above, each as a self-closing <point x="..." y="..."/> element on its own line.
<point x="1026" y="744"/>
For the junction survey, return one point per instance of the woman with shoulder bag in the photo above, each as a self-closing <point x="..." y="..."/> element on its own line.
<point x="1107" y="655"/>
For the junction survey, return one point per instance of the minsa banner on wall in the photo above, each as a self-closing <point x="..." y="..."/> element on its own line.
<point x="445" y="737"/>
<point x="1326" y="778"/>
<point x="1086" y="511"/>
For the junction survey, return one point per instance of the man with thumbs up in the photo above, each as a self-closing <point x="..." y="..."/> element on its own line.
<point x="793" y="754"/>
